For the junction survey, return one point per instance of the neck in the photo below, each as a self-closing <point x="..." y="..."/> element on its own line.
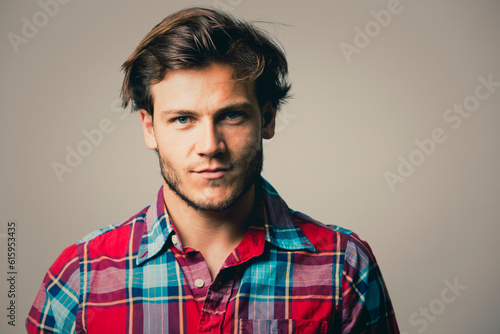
<point x="213" y="233"/>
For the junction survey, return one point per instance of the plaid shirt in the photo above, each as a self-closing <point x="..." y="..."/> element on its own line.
<point x="290" y="273"/>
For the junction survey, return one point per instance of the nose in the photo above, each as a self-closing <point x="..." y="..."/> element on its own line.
<point x="210" y="141"/>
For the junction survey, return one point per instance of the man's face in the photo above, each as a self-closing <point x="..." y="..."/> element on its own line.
<point x="207" y="130"/>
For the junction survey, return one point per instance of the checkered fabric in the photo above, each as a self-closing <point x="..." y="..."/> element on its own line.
<point x="289" y="274"/>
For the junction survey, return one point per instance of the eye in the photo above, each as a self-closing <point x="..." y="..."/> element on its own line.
<point x="232" y="115"/>
<point x="182" y="119"/>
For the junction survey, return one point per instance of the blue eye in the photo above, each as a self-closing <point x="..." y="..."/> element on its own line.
<point x="182" y="119"/>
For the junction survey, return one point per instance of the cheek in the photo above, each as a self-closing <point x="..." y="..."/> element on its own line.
<point x="173" y="145"/>
<point x="247" y="142"/>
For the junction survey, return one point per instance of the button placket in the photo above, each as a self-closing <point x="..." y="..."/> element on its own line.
<point x="215" y="305"/>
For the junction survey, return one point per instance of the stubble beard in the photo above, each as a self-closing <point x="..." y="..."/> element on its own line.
<point x="251" y="174"/>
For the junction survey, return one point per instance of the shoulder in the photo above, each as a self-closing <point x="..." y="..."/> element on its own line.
<point x="59" y="296"/>
<point x="331" y="237"/>
<point x="105" y="241"/>
<point x="366" y="305"/>
<point x="113" y="239"/>
<point x="349" y="250"/>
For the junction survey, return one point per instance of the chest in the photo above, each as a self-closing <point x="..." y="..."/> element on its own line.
<point x="275" y="292"/>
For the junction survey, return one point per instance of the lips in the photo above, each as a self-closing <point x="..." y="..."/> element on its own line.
<point x="212" y="173"/>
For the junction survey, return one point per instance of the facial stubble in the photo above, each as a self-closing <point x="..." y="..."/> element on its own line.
<point x="251" y="167"/>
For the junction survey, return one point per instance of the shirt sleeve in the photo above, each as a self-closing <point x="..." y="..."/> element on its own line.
<point x="366" y="306"/>
<point x="56" y="304"/>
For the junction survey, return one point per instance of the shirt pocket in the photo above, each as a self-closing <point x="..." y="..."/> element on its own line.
<point x="282" y="326"/>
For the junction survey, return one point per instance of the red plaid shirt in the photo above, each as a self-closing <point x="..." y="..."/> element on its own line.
<point x="290" y="273"/>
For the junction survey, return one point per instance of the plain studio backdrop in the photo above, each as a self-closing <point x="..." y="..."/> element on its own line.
<point x="393" y="132"/>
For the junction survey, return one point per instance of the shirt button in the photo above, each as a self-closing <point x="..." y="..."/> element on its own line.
<point x="175" y="240"/>
<point x="199" y="283"/>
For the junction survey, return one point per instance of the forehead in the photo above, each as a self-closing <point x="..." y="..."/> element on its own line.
<point x="206" y="89"/>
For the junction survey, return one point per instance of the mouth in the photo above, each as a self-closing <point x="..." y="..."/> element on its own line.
<point x="213" y="173"/>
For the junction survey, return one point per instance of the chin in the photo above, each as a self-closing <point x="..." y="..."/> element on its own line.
<point x="216" y="198"/>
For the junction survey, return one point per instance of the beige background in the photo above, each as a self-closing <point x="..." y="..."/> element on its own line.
<point x="347" y="125"/>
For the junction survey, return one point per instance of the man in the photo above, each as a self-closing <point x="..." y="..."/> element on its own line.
<point x="218" y="250"/>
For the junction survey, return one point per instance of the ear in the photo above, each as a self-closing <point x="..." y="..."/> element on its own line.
<point x="148" y="129"/>
<point x="268" y="121"/>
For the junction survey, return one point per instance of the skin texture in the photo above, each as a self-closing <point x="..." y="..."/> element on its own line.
<point x="207" y="130"/>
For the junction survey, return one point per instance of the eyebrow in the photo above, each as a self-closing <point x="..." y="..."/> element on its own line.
<point x="186" y="112"/>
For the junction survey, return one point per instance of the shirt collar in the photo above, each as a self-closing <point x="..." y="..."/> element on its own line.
<point x="158" y="229"/>
<point x="271" y="212"/>
<point x="278" y="222"/>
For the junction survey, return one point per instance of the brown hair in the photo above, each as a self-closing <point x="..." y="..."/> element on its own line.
<point x="196" y="37"/>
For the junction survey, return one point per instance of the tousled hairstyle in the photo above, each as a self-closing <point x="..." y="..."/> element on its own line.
<point x="194" y="38"/>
